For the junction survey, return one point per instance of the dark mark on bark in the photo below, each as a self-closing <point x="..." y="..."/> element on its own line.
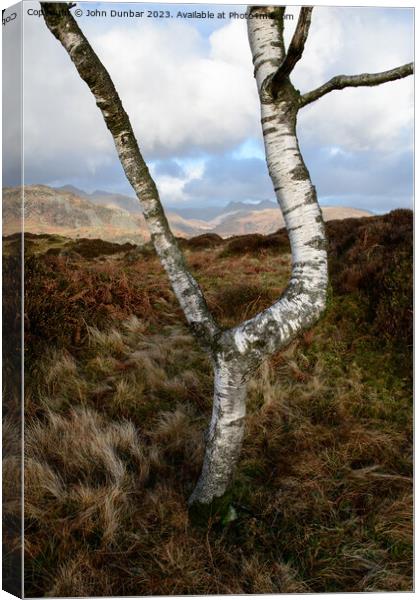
<point x="267" y="119"/>
<point x="318" y="243"/>
<point x="269" y="130"/>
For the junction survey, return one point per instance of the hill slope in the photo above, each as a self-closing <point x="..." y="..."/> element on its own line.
<point x="118" y="397"/>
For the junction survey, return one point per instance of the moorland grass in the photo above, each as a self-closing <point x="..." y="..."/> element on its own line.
<point x="119" y="395"/>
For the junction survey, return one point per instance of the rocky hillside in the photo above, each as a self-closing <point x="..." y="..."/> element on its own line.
<point x="72" y="213"/>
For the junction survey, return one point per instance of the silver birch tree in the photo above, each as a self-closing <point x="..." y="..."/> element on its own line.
<point x="236" y="352"/>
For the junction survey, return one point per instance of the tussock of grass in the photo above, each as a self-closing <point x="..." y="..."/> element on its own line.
<point x="116" y="416"/>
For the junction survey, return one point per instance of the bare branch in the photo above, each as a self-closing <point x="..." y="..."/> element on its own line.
<point x="64" y="27"/>
<point x="365" y="79"/>
<point x="295" y="50"/>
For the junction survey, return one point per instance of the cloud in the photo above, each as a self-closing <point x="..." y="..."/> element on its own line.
<point x="214" y="180"/>
<point x="191" y="96"/>
<point x="226" y="179"/>
<point x="170" y="167"/>
<point x="172" y="176"/>
<point x="362" y="179"/>
<point x="65" y="135"/>
<point x="185" y="94"/>
<point x="350" y="41"/>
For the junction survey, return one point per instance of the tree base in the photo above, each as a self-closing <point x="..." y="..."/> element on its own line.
<point x="201" y="515"/>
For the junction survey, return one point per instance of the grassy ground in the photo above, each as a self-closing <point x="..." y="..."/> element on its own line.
<point x="118" y="396"/>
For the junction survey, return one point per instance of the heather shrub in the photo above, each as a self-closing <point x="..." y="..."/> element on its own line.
<point x="118" y="403"/>
<point x="255" y="242"/>
<point x="206" y="240"/>
<point x="240" y="301"/>
<point x="373" y="257"/>
<point x="64" y="296"/>
<point x="92" y="248"/>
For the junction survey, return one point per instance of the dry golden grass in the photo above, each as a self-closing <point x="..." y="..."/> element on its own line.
<point x="114" y="443"/>
<point x="322" y="500"/>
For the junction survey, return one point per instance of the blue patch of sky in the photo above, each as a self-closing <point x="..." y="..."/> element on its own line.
<point x="250" y="148"/>
<point x="374" y="181"/>
<point x="170" y="167"/>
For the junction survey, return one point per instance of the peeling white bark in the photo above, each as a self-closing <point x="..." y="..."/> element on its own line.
<point x="238" y="351"/>
<point x="62" y="24"/>
<point x="225" y="434"/>
<point x="266" y="57"/>
<point x="304" y="299"/>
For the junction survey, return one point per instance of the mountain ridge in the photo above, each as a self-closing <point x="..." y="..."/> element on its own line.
<point x="114" y="217"/>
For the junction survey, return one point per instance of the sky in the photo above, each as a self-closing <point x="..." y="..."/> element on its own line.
<point x="188" y="87"/>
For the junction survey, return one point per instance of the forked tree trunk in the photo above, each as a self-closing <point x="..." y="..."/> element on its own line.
<point x="304" y="299"/>
<point x="236" y="352"/>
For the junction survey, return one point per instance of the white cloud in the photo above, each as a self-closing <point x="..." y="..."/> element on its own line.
<point x="350" y="41"/>
<point x="180" y="91"/>
<point x="184" y="93"/>
<point x="336" y="151"/>
<point x="171" y="187"/>
<point x="230" y="45"/>
<point x="65" y="135"/>
<point x="189" y="94"/>
<point x="325" y="40"/>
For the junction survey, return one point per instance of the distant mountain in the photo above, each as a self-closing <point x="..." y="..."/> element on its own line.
<point x="250" y="206"/>
<point x="131" y="204"/>
<point x="238" y="218"/>
<point x="102" y="198"/>
<point x="268" y="220"/>
<point x="73" y="213"/>
<point x="64" y="212"/>
<point x="211" y="212"/>
<point x="73" y="190"/>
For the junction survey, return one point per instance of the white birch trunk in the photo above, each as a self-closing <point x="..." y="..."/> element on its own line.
<point x="236" y="352"/>
<point x="304" y="299"/>
<point x="225" y="434"/>
<point x="63" y="26"/>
